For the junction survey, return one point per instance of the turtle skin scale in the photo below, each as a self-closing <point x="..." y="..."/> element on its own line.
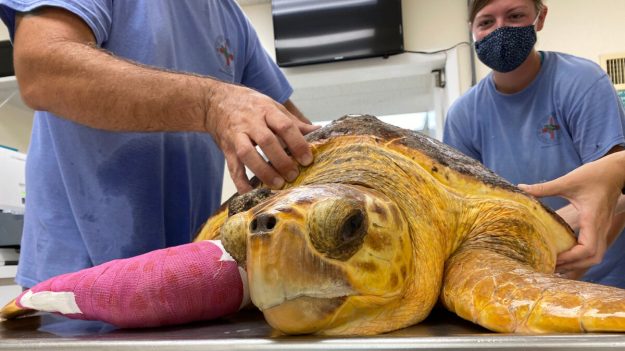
<point x="387" y="222"/>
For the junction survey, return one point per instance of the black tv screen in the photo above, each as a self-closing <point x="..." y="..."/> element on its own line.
<point x="315" y="31"/>
<point x="6" y="59"/>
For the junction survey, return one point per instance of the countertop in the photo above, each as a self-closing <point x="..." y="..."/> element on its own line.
<point x="247" y="330"/>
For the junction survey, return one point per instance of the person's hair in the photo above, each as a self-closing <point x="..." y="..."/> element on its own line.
<point x="476" y="5"/>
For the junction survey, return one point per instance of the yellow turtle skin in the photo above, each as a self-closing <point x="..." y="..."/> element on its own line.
<point x="385" y="223"/>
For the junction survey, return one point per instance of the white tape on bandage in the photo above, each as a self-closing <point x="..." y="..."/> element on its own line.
<point x="50" y="301"/>
<point x="225" y="256"/>
<point x="246" y="290"/>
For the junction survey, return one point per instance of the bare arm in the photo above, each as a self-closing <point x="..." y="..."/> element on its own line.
<point x="60" y="70"/>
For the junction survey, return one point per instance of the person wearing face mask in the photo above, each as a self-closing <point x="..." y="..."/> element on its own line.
<point x="537" y="116"/>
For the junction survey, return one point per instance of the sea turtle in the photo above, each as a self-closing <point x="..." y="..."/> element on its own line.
<point x="387" y="222"/>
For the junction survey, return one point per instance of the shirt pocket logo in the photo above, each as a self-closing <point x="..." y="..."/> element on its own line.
<point x="550" y="131"/>
<point x="225" y="55"/>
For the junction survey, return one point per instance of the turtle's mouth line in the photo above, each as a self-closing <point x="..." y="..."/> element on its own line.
<point x="294" y="298"/>
<point x="304" y="314"/>
<point x="377" y="299"/>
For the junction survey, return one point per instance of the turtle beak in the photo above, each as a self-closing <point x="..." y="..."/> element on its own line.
<point x="235" y="231"/>
<point x="281" y="266"/>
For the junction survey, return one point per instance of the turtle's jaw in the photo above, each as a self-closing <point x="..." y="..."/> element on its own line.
<point x="274" y="294"/>
<point x="312" y="314"/>
<point x="284" y="271"/>
<point x="345" y="315"/>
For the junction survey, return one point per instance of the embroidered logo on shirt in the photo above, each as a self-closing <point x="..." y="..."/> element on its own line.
<point x="225" y="55"/>
<point x="549" y="132"/>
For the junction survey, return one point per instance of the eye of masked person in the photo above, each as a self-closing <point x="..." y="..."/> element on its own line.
<point x="487" y="23"/>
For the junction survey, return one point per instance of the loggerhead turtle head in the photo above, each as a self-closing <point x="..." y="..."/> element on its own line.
<point x="327" y="259"/>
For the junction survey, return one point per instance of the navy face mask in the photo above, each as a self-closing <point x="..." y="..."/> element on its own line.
<point x="506" y="48"/>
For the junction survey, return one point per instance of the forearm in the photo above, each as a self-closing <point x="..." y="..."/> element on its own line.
<point x="89" y="86"/>
<point x="60" y="70"/>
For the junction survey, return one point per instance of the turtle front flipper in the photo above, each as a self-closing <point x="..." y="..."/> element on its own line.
<point x="504" y="295"/>
<point x="13" y="310"/>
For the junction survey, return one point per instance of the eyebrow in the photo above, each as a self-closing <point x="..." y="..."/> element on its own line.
<point x="517" y="8"/>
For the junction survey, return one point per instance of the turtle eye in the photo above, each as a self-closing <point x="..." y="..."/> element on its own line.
<point x="337" y="227"/>
<point x="352" y="227"/>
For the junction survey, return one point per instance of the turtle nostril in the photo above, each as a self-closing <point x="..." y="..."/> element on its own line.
<point x="254" y="225"/>
<point x="263" y="223"/>
<point x="271" y="222"/>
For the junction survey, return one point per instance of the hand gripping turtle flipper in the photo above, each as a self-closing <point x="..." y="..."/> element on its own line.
<point x="503" y="295"/>
<point x="181" y="284"/>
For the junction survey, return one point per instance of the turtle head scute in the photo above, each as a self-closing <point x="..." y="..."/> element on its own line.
<point x="244" y="202"/>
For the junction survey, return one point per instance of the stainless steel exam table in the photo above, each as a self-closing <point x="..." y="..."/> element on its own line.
<point x="247" y="330"/>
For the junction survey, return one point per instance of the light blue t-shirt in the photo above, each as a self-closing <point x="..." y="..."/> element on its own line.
<point x="569" y="115"/>
<point x="93" y="196"/>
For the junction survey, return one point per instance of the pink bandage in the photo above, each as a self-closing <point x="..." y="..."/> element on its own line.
<point x="181" y="284"/>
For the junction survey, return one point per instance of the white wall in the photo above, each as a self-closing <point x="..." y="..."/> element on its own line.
<point x="4" y="33"/>
<point x="584" y="28"/>
<point x="15" y="119"/>
<point x="260" y="16"/>
<point x="436" y="25"/>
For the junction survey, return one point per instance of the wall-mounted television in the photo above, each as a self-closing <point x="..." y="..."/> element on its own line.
<point x="6" y="59"/>
<point x="315" y="31"/>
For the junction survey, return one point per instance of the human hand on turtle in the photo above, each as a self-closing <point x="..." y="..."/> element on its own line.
<point x="240" y="118"/>
<point x="593" y="190"/>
